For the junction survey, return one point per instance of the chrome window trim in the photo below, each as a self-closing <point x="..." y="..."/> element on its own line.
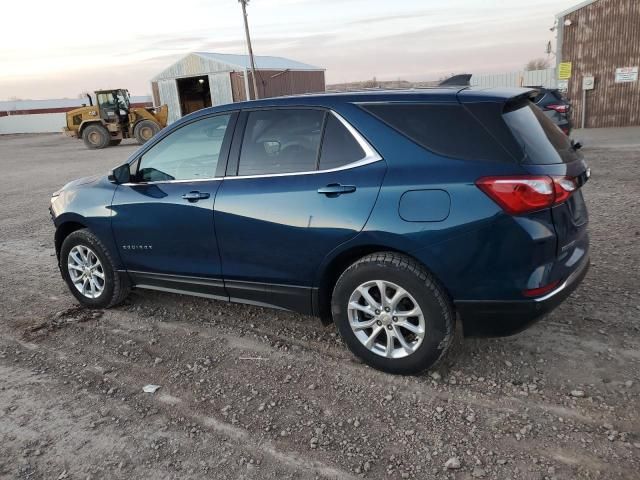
<point x="371" y="156"/>
<point x="194" y="180"/>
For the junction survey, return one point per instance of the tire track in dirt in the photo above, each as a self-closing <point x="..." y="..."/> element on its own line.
<point x="184" y="404"/>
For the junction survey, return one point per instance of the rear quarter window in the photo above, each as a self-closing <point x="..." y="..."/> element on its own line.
<point x="446" y="129"/>
<point x="339" y="148"/>
<point x="541" y="141"/>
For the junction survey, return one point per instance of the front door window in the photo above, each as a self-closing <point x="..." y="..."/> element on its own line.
<point x="189" y="153"/>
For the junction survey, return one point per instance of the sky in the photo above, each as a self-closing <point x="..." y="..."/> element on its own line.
<point x="49" y="49"/>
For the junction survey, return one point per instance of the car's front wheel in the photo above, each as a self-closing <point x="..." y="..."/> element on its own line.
<point x="89" y="271"/>
<point x="392" y="313"/>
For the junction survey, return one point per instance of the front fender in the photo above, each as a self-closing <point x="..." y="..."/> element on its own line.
<point x="87" y="205"/>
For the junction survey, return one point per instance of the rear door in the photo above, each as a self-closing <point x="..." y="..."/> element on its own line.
<point x="300" y="182"/>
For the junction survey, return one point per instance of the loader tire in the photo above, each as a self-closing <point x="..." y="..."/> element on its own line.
<point x="144" y="130"/>
<point x="96" y="136"/>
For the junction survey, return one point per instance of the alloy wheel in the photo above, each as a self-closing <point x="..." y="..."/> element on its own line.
<point x="86" y="271"/>
<point x="386" y="319"/>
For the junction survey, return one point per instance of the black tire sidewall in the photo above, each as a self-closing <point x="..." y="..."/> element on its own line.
<point x="84" y="237"/>
<point x="437" y="316"/>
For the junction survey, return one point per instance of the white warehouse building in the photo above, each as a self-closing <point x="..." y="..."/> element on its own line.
<point x="205" y="79"/>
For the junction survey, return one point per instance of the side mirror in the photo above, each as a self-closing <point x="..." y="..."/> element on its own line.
<point x="120" y="174"/>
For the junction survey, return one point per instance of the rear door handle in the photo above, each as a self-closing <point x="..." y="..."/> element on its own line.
<point x="335" y="189"/>
<point x="195" y="196"/>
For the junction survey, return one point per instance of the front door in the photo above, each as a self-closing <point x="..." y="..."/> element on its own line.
<point x="305" y="184"/>
<point x="163" y="219"/>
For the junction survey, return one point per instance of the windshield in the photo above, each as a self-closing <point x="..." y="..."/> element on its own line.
<point x="540" y="139"/>
<point x="105" y="99"/>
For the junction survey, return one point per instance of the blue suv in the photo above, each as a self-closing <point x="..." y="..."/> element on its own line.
<point x="392" y="214"/>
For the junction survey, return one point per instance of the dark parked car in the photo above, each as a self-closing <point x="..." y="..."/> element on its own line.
<point x="388" y="213"/>
<point x="555" y="106"/>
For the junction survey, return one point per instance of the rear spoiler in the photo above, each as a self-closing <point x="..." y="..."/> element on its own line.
<point x="519" y="101"/>
<point x="509" y="97"/>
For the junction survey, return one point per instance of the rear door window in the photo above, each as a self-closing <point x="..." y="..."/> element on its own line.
<point x="339" y="148"/>
<point x="445" y="129"/>
<point x="541" y="140"/>
<point x="281" y="141"/>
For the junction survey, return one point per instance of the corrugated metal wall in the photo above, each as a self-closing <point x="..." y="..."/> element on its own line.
<point x="220" y="87"/>
<point x="190" y="66"/>
<point x="275" y="83"/>
<point x="604" y="36"/>
<point x="155" y="92"/>
<point x="543" y="78"/>
<point x="227" y="86"/>
<point x="168" y="89"/>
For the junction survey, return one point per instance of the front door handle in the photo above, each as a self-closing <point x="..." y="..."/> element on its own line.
<point x="195" y="196"/>
<point x="335" y="189"/>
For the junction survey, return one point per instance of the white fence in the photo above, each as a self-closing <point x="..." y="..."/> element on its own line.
<point x="543" y="78"/>
<point x="34" y="123"/>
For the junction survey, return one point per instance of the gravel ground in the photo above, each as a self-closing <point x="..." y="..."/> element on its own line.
<point x="253" y="393"/>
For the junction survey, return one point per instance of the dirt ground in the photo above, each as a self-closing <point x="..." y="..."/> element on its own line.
<point x="253" y="393"/>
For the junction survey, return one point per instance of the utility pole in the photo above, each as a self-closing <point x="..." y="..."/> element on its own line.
<point x="253" y="64"/>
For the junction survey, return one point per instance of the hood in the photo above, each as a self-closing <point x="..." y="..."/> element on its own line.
<point x="82" y="181"/>
<point x="78" y="183"/>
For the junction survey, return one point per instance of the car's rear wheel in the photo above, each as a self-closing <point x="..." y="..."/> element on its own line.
<point x="144" y="130"/>
<point x="96" y="136"/>
<point x="89" y="271"/>
<point x="392" y="313"/>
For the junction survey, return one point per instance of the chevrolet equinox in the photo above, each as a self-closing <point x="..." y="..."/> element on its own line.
<point x="390" y="213"/>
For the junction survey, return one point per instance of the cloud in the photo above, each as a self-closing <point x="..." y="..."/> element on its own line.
<point x="352" y="39"/>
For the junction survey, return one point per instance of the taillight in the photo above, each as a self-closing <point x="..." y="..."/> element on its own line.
<point x="560" y="107"/>
<point x="524" y="194"/>
<point x="564" y="187"/>
<point x="536" y="292"/>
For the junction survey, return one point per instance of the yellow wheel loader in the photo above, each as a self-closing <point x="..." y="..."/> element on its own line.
<point x="112" y="119"/>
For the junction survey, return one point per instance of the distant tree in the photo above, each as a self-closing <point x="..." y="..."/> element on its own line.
<point x="537" y="64"/>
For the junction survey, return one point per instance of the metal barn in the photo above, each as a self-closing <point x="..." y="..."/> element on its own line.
<point x="601" y="40"/>
<point x="203" y="79"/>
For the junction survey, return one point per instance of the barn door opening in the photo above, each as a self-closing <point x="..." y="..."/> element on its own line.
<point x="194" y="93"/>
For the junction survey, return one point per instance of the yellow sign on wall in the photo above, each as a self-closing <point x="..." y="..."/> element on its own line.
<point x="564" y="71"/>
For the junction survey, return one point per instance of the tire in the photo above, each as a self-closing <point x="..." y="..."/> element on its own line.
<point x="145" y="130"/>
<point x="115" y="143"/>
<point x="96" y="136"/>
<point x="431" y="332"/>
<point x="115" y="287"/>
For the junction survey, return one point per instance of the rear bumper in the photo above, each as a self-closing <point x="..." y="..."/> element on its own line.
<point x="495" y="318"/>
